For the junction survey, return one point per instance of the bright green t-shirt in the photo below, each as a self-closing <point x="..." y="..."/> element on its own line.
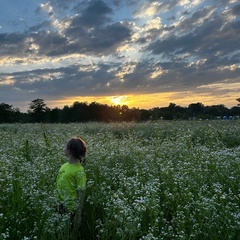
<point x="71" y="178"/>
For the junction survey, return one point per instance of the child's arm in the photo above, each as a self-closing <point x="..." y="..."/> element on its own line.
<point x="78" y="213"/>
<point x="81" y="185"/>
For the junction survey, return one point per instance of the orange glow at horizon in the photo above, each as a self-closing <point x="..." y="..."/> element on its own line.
<point x="149" y="101"/>
<point x="118" y="100"/>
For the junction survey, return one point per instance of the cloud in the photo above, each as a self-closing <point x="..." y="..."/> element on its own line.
<point x="236" y="10"/>
<point x="212" y="40"/>
<point x="97" y="48"/>
<point x="89" y="32"/>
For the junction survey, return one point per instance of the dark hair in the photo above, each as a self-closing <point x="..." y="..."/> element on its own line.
<point x="78" y="149"/>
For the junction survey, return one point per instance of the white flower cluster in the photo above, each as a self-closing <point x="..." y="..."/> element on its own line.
<point x="153" y="180"/>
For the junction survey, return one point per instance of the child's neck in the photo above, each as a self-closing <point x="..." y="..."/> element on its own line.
<point x="73" y="160"/>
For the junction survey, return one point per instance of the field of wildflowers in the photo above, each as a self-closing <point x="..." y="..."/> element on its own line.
<point x="152" y="180"/>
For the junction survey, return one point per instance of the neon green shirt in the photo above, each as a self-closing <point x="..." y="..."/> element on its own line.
<point x="71" y="178"/>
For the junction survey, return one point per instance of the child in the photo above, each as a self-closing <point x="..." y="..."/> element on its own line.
<point x="71" y="181"/>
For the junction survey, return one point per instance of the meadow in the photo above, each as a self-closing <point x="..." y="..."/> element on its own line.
<point x="151" y="180"/>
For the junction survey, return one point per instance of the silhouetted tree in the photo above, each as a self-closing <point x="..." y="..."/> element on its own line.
<point x="65" y="115"/>
<point x="235" y="111"/>
<point x="8" y="114"/>
<point x="145" y="115"/>
<point x="174" y="111"/>
<point x="156" y="113"/>
<point x="105" y="113"/>
<point x="94" y="113"/>
<point x="196" y="109"/>
<point x="54" y="115"/>
<point x="216" y="110"/>
<point x="83" y="112"/>
<point x="38" y="111"/>
<point x="79" y="112"/>
<point x="238" y="99"/>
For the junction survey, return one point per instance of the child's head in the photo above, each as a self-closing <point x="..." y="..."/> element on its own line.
<point x="77" y="148"/>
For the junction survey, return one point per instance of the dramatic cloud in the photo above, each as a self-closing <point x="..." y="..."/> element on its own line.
<point x="61" y="49"/>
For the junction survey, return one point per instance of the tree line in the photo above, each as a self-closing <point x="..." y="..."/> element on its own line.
<point x="84" y="112"/>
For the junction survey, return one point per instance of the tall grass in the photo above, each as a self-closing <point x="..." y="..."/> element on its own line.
<point x="154" y="180"/>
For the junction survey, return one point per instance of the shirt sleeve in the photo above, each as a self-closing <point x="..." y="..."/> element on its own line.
<point x="81" y="180"/>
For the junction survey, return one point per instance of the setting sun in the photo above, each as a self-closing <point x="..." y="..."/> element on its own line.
<point x="118" y="100"/>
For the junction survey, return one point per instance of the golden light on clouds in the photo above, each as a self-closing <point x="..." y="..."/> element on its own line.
<point x="223" y="86"/>
<point x="231" y="67"/>
<point x="149" y="101"/>
<point x="32" y="46"/>
<point x="128" y="68"/>
<point x="188" y="2"/>
<point x="154" y="24"/>
<point x="125" y="48"/>
<point x="88" y="68"/>
<point x="152" y="9"/>
<point x="141" y="101"/>
<point x="7" y="81"/>
<point x="157" y="72"/>
<point x="147" y="10"/>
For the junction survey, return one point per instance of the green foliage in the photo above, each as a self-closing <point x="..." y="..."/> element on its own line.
<point x="152" y="180"/>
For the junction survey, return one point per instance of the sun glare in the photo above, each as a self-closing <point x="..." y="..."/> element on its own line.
<point x="117" y="100"/>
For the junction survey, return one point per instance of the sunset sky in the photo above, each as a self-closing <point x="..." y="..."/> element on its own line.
<point x="139" y="53"/>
